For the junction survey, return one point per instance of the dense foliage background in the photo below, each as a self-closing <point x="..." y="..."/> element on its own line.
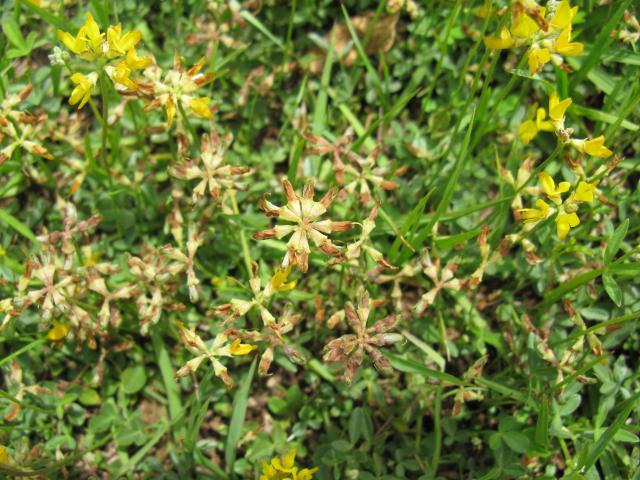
<point x="512" y="354"/>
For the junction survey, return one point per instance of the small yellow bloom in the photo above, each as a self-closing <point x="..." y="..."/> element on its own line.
<point x="4" y="455"/>
<point x="563" y="16"/>
<point x="549" y="188"/>
<point x="534" y="215"/>
<point x="238" y="348"/>
<point x="88" y="43"/>
<point x="584" y="192"/>
<point x="538" y="57"/>
<point x="565" y="222"/>
<point x="279" y="280"/>
<point x="58" y="331"/>
<point x="200" y="106"/>
<point x="503" y="41"/>
<point x="529" y="129"/>
<point x="82" y="92"/>
<point x="119" y="44"/>
<point x="564" y="45"/>
<point x="284" y="468"/>
<point x="523" y="26"/>
<point x="558" y="108"/>
<point x="594" y="147"/>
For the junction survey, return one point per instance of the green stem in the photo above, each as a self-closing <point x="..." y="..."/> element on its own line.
<point x="243" y="237"/>
<point x="105" y="125"/>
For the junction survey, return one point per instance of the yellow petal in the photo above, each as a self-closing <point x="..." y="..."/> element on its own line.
<point x="238" y="348"/>
<point x="584" y="192"/>
<point x="58" y="331"/>
<point x="200" y="106"/>
<point x="595" y="147"/>
<point x="547" y="183"/>
<point x="501" y="42"/>
<point x="538" y="57"/>
<point x="564" y="223"/>
<point x="564" y="46"/>
<point x="528" y="131"/>
<point x="563" y="16"/>
<point x="557" y="109"/>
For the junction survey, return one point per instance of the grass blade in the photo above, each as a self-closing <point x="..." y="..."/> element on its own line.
<point x="237" y="418"/>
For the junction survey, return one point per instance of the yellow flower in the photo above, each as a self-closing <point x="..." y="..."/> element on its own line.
<point x="523" y="26"/>
<point x="121" y="71"/>
<point x="238" y="348"/>
<point x="82" y="92"/>
<point x="58" y="331"/>
<point x="279" y="280"/>
<point x="200" y="106"/>
<point x="88" y="43"/>
<point x="119" y="44"/>
<point x="178" y="86"/>
<point x="584" y="192"/>
<point x="501" y="42"/>
<point x="563" y="16"/>
<point x="565" y="222"/>
<point x="538" y="57"/>
<point x="529" y="129"/>
<point x="549" y="188"/>
<point x="557" y="109"/>
<point x="594" y="147"/>
<point x="564" y="45"/>
<point x="4" y="455"/>
<point x="284" y="468"/>
<point x="534" y="215"/>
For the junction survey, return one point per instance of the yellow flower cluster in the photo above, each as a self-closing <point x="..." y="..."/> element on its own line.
<point x="547" y="32"/>
<point x="284" y="468"/>
<point x="566" y="217"/>
<point x="555" y="123"/>
<point x="115" y="54"/>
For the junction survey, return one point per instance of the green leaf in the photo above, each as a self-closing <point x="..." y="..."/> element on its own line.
<point x="410" y="366"/>
<point x="12" y="30"/>
<point x="616" y="241"/>
<point x="89" y="397"/>
<point x="237" y="417"/>
<point x="134" y="379"/>
<point x="601" y="43"/>
<point x="599" y="116"/>
<point x="607" y="437"/>
<point x="170" y="385"/>
<point x="612" y="288"/>
<point x="53" y="20"/>
<point x="18" y="226"/>
<point x="517" y="441"/>
<point x="360" y="425"/>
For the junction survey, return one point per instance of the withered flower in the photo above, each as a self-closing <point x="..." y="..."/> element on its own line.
<point x="210" y="169"/>
<point x="261" y="296"/>
<point x="364" y="244"/>
<point x="443" y="279"/>
<point x="304" y="213"/>
<point x="349" y="349"/>
<point x="157" y="276"/>
<point x="219" y="348"/>
<point x="274" y="335"/>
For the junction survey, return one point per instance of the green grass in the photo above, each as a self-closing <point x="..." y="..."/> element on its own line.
<point x="523" y="362"/>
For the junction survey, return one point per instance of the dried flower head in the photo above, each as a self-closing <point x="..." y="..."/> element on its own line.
<point x="220" y="347"/>
<point x="304" y="213"/>
<point x="349" y="349"/>
<point x="210" y="169"/>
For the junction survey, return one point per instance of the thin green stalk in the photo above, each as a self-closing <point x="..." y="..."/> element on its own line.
<point x="443" y="47"/>
<point x="243" y="237"/>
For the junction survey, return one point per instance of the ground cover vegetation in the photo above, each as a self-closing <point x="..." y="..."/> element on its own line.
<point x="319" y="240"/>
